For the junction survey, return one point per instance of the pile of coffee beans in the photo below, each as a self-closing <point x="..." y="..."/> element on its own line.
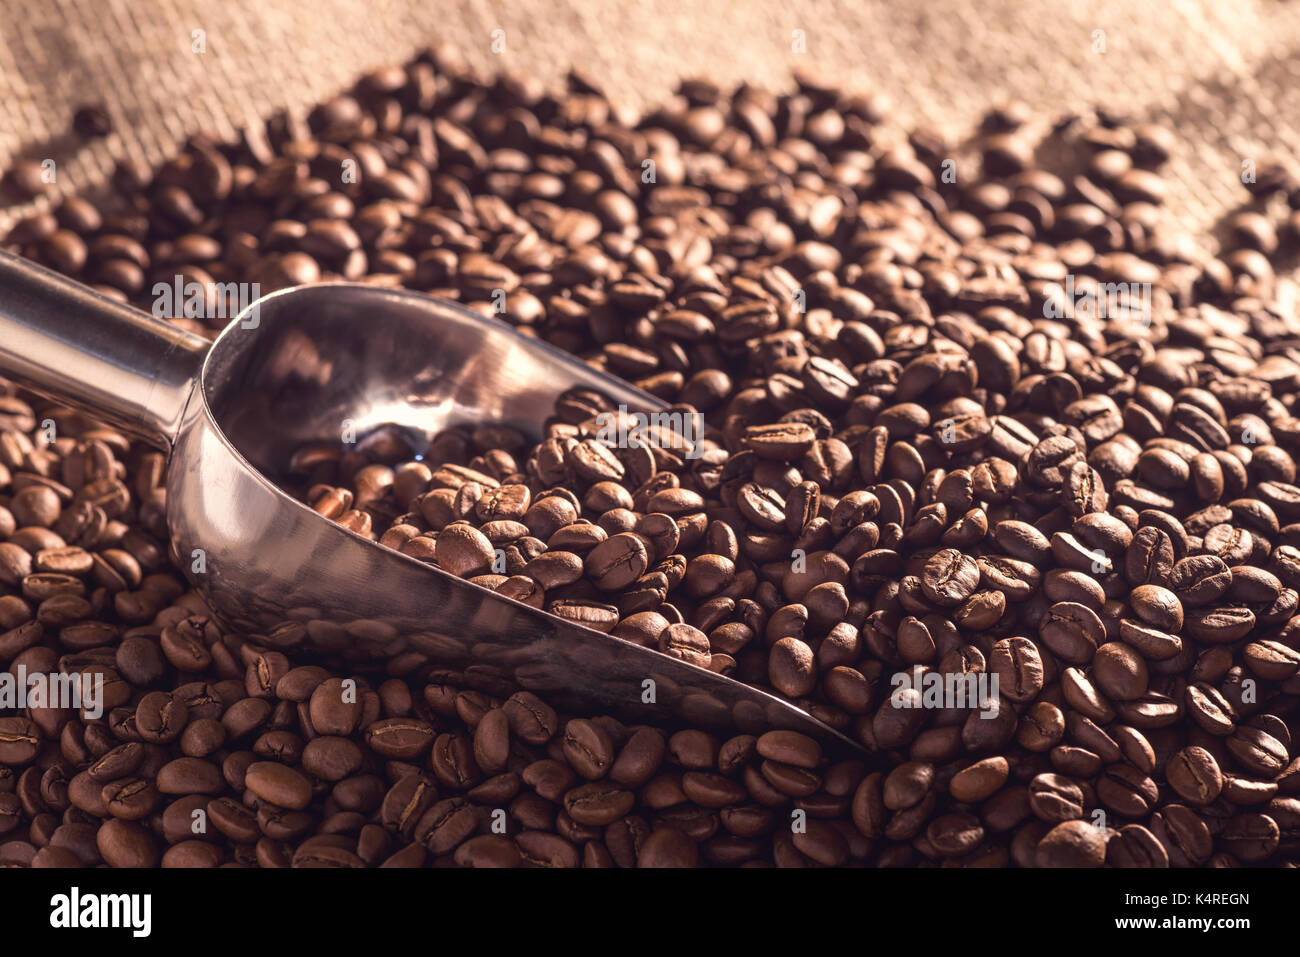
<point x="203" y="748"/>
<point x="968" y="418"/>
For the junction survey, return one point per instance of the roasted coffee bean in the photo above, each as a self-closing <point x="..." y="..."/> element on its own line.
<point x="402" y="739"/>
<point x="1072" y="844"/>
<point x="949" y="577"/>
<point x="640" y="757"/>
<point x="531" y="719"/>
<point x="1072" y="631"/>
<point x="686" y="643"/>
<point x="189" y="776"/>
<point x="1251" y="838"/>
<point x="1258" y="752"/>
<point x="790" y="747"/>
<point x="1184" y="835"/>
<point x="980" y="780"/>
<point x="20" y="741"/>
<point x="1120" y="672"/>
<point x="1055" y="798"/>
<point x="126" y="844"/>
<point x="1195" y="775"/>
<point x="1135" y="846"/>
<point x="130" y="799"/>
<point x="335" y="706"/>
<point x="445" y="825"/>
<point x="588" y="748"/>
<point x="1041" y="727"/>
<point x="617" y="562"/>
<point x="327" y="758"/>
<point x="665" y="847"/>
<point x="1126" y="791"/>
<point x="693" y="749"/>
<point x="1199" y="579"/>
<point x="1019" y="667"/>
<point x="598" y="803"/>
<point x="160" y="718"/>
<point x="278" y="784"/>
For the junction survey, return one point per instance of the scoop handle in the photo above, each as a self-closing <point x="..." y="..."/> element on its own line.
<point x="64" y="340"/>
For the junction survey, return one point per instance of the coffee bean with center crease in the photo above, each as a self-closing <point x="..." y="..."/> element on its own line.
<point x="1149" y="557"/>
<point x="20" y="741"/>
<point x="452" y="760"/>
<point x="1209" y="709"/>
<point x="130" y="799"/>
<point x="598" y="803"/>
<point x="617" y="562"/>
<point x="685" y="643"/>
<point x="587" y="748"/>
<point x="1014" y="578"/>
<point x="406" y="802"/>
<point x="780" y="440"/>
<point x="1251" y="838"/>
<point x="400" y="738"/>
<point x="763" y="507"/>
<point x="1072" y="632"/>
<point x="1126" y="791"/>
<point x="1083" y="491"/>
<point x="1019" y="668"/>
<point x="1258" y="752"/>
<point x="1271" y="660"/>
<point x="119" y="762"/>
<point x="1199" y="579"/>
<point x="1195" y="775"/>
<point x="531" y="719"/>
<point x="233" y="820"/>
<point x="1219" y="624"/>
<point x="1135" y="846"/>
<point x="160" y="718"/>
<point x="1184" y="835"/>
<point x="949" y="577"/>
<point x="1053" y="797"/>
<point x="446" y="825"/>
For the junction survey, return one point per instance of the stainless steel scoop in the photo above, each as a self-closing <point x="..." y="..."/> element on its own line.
<point x="291" y="370"/>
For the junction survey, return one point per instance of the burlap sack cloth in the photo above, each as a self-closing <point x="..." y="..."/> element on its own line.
<point x="1224" y="75"/>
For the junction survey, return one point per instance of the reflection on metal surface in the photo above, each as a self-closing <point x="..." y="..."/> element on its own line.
<point x="318" y="357"/>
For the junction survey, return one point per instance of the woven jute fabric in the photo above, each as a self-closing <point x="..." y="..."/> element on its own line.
<point x="1224" y="76"/>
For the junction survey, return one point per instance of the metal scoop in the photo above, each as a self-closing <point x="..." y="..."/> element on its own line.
<point x="290" y="370"/>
